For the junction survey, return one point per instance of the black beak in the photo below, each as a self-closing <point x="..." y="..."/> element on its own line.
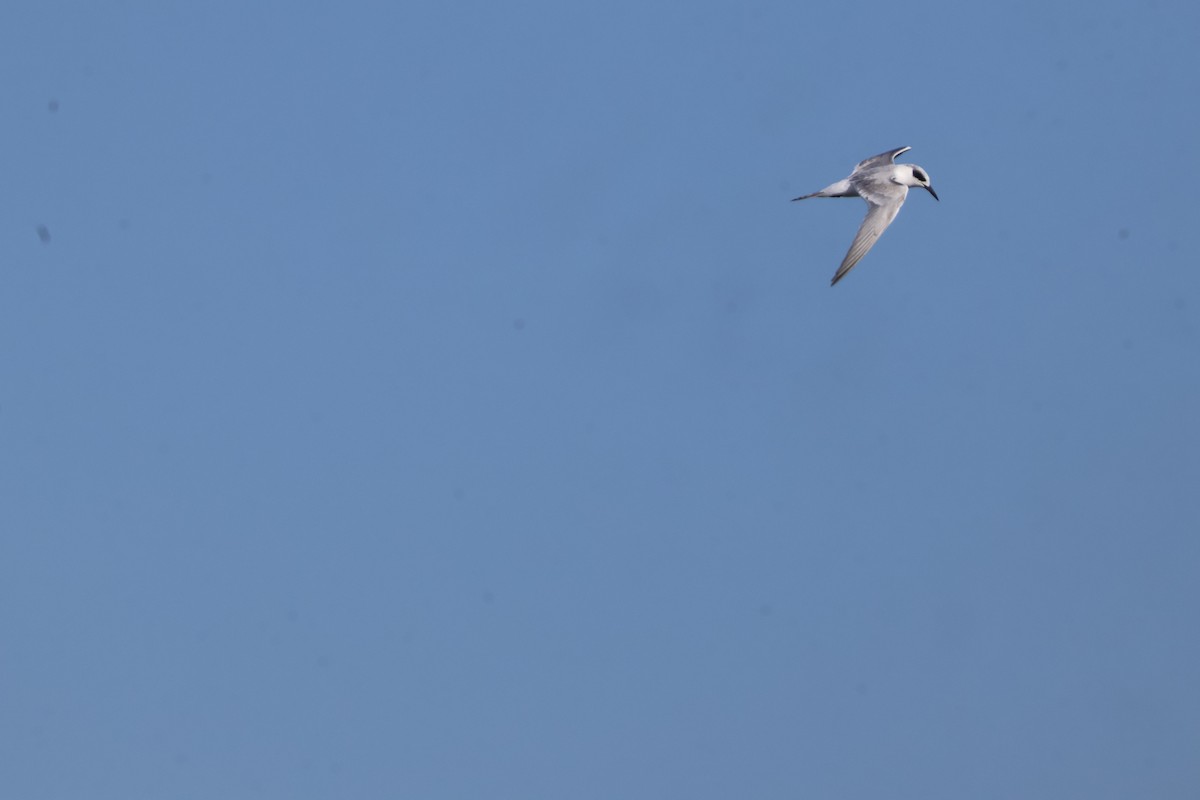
<point x="932" y="192"/>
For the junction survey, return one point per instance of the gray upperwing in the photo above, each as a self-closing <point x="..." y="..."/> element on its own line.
<point x="881" y="160"/>
<point x="873" y="226"/>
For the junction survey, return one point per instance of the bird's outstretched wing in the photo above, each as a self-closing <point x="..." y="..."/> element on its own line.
<point x="879" y="216"/>
<point x="881" y="160"/>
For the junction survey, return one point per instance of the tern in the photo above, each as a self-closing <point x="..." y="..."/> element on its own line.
<point x="884" y="185"/>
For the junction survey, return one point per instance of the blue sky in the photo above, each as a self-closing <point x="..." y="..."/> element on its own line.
<point x="445" y="401"/>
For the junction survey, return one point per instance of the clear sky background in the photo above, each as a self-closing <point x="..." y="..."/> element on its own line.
<point x="444" y="400"/>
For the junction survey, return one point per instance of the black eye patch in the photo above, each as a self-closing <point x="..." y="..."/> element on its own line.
<point x="921" y="176"/>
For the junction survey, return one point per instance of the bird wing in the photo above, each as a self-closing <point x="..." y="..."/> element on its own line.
<point x="881" y="160"/>
<point x="879" y="216"/>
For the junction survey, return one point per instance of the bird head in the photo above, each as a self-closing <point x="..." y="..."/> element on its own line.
<point x="920" y="177"/>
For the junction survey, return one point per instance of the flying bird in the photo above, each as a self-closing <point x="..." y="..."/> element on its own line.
<point x="884" y="185"/>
